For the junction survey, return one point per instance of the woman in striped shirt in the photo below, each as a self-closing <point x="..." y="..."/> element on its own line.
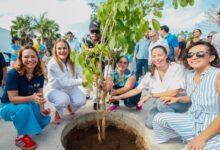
<point x="200" y="125"/>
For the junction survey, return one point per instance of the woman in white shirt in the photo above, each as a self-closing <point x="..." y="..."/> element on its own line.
<point x="64" y="86"/>
<point x="165" y="78"/>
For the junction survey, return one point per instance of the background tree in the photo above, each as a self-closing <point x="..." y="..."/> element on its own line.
<point x="22" y="27"/>
<point x="94" y="8"/>
<point x="25" y="27"/>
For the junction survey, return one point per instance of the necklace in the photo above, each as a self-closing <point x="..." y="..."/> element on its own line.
<point x="29" y="76"/>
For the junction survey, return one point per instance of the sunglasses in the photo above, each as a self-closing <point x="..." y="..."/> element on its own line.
<point x="95" y="31"/>
<point x="200" y="54"/>
<point x="123" y="62"/>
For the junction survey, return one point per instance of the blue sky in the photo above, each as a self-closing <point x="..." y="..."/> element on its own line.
<point x="74" y="15"/>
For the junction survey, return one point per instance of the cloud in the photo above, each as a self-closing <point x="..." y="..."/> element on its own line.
<point x="183" y="18"/>
<point x="64" y="12"/>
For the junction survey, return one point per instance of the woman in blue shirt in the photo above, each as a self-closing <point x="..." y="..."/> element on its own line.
<point x="124" y="81"/>
<point x="14" y="48"/>
<point x="23" y="98"/>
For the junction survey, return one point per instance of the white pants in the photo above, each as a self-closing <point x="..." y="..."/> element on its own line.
<point x="61" y="99"/>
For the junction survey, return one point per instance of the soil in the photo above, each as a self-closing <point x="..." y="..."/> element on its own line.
<point x="86" y="138"/>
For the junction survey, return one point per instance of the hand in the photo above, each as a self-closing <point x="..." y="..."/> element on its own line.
<point x="169" y="100"/>
<point x="114" y="98"/>
<point x="38" y="97"/>
<point x="197" y="143"/>
<point x="140" y="103"/>
<point x="113" y="92"/>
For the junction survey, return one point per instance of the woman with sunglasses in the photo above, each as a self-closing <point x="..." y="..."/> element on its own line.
<point x="64" y="88"/>
<point x="23" y="98"/>
<point x="164" y="79"/>
<point x="124" y="80"/>
<point x="200" y="126"/>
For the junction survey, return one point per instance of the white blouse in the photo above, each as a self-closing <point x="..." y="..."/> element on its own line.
<point x="61" y="80"/>
<point x="173" y="79"/>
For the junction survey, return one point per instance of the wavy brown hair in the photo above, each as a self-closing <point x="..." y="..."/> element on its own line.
<point x="20" y="67"/>
<point x="57" y="59"/>
<point x="211" y="50"/>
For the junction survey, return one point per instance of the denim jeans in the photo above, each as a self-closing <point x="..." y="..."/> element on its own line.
<point x="129" y="102"/>
<point x="140" y="63"/>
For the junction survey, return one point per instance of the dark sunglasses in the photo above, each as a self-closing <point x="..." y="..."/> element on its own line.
<point x="95" y="31"/>
<point x="123" y="62"/>
<point x="200" y="54"/>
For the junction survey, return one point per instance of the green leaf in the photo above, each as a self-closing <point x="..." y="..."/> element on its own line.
<point x="158" y="14"/>
<point x="156" y="24"/>
<point x="175" y="4"/>
<point x="183" y="3"/>
<point x="191" y="2"/>
<point x="122" y="6"/>
<point x="81" y="60"/>
<point x="73" y="56"/>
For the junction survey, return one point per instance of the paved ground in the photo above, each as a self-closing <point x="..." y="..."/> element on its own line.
<point x="50" y="138"/>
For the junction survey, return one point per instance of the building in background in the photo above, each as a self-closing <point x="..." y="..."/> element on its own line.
<point x="5" y="40"/>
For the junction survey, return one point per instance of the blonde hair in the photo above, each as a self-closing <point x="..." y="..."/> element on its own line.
<point x="68" y="61"/>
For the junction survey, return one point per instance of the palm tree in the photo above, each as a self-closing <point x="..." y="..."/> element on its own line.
<point x="22" y="27"/>
<point x="48" y="29"/>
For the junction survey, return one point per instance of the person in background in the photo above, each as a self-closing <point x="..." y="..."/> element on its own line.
<point x="36" y="42"/>
<point x="14" y="48"/>
<point x="182" y="46"/>
<point x="42" y="48"/>
<point x="172" y="42"/>
<point x="210" y="35"/>
<point x="89" y="42"/>
<point x="216" y="37"/>
<point x="64" y="88"/>
<point x="199" y="127"/>
<point x="3" y="70"/>
<point x="196" y="37"/>
<point x="73" y="42"/>
<point x="141" y="55"/>
<point x="155" y="40"/>
<point x="23" y="98"/>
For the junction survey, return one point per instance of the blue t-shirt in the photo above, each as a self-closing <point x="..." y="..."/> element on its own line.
<point x="42" y="48"/>
<point x="13" y="48"/>
<point x="126" y="75"/>
<point x="173" y="43"/>
<point x="15" y="82"/>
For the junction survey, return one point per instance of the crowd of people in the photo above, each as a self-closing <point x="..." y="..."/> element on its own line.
<point x="182" y="79"/>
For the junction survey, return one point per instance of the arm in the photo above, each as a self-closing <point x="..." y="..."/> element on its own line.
<point x="170" y="93"/>
<point x="126" y="95"/>
<point x="59" y="79"/>
<point x="210" y="131"/>
<point x="176" y="52"/>
<point x="128" y="86"/>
